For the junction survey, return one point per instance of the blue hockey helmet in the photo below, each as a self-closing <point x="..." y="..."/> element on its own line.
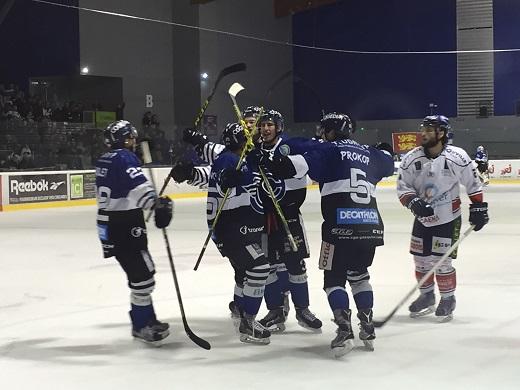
<point x="340" y="123"/>
<point x="439" y="123"/>
<point x="233" y="136"/>
<point x="275" y="117"/>
<point x="118" y="132"/>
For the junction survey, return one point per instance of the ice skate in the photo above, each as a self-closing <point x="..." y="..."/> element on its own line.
<point x="153" y="333"/>
<point x="251" y="331"/>
<point x="423" y="305"/>
<point x="343" y="343"/>
<point x="444" y="312"/>
<point x="366" y="328"/>
<point x="274" y="321"/>
<point x="308" y="320"/>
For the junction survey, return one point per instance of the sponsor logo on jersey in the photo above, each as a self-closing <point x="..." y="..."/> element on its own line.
<point x="440" y="244"/>
<point x="137" y="231"/>
<point x="342" y="232"/>
<point x="350" y="216"/>
<point x="246" y="229"/>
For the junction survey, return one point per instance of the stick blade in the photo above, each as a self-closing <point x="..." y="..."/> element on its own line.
<point x="235" y="89"/>
<point x="239" y="67"/>
<point x="197" y="340"/>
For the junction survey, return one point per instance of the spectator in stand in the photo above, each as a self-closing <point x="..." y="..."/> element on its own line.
<point x="147" y="119"/>
<point x="26" y="158"/>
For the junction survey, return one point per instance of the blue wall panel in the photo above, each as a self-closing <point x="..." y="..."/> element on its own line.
<point x="39" y="40"/>
<point x="376" y="86"/>
<point x="506" y="21"/>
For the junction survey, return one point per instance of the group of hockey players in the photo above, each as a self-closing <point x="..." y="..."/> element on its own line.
<point x="257" y="179"/>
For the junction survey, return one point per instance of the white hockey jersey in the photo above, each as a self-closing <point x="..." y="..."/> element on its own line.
<point x="436" y="180"/>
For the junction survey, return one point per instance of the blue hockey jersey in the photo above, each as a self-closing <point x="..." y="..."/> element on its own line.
<point x="122" y="192"/>
<point x="347" y="173"/>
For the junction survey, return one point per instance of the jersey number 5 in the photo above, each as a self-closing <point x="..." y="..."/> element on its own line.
<point x="360" y="190"/>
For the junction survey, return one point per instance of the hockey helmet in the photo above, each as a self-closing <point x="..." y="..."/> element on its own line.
<point x="340" y="123"/>
<point x="251" y="112"/>
<point x="118" y="132"/>
<point x="480" y="148"/>
<point x="439" y="122"/>
<point x="275" y="117"/>
<point x="233" y="136"/>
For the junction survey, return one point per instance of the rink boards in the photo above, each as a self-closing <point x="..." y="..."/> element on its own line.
<point x="30" y="190"/>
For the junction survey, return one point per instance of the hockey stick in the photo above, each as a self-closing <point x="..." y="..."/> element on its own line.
<point x="196" y="339"/>
<point x="233" y="92"/>
<point x="439" y="262"/>
<point x="238" y="67"/>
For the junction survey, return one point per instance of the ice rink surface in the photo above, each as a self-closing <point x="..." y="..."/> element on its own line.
<point x="64" y="322"/>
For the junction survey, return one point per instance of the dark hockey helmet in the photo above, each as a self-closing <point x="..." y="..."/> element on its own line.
<point x="439" y="123"/>
<point x="340" y="123"/>
<point x="251" y="112"/>
<point x="275" y="117"/>
<point x="118" y="132"/>
<point x="233" y="136"/>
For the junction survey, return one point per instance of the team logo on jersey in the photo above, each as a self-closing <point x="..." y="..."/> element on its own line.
<point x="278" y="187"/>
<point x="285" y="150"/>
<point x="356" y="216"/>
<point x="430" y="191"/>
<point x="137" y="231"/>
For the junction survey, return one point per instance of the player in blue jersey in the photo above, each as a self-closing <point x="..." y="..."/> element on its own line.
<point x="238" y="231"/>
<point x="123" y="192"/>
<point x="481" y="158"/>
<point x="347" y="173"/>
<point x="288" y="268"/>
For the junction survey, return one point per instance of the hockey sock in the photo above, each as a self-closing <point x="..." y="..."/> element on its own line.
<point x="361" y="288"/>
<point x="141" y="316"/>
<point x="447" y="282"/>
<point x="238" y="296"/>
<point x="283" y="277"/>
<point x="338" y="298"/>
<point x="299" y="290"/>
<point x="254" y="288"/>
<point x="273" y="293"/>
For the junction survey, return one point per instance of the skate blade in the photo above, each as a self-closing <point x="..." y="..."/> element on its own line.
<point x="423" y="312"/>
<point x="342" y="350"/>
<point x="245" y="338"/>
<point x="313" y="330"/>
<point x="369" y="345"/>
<point x="276" y="328"/>
<point x="447" y="318"/>
<point x="157" y="343"/>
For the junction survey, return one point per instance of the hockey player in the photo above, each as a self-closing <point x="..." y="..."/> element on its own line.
<point x="287" y="267"/>
<point x="123" y="192"/>
<point x="428" y="185"/>
<point x="238" y="231"/>
<point x="481" y="158"/>
<point x="347" y="173"/>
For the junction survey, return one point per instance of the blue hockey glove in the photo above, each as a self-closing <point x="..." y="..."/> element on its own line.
<point x="229" y="178"/>
<point x="478" y="215"/>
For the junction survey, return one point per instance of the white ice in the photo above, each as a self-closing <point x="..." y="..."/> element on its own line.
<point x="64" y="321"/>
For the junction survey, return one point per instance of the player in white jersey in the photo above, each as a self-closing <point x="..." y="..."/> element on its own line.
<point x="428" y="185"/>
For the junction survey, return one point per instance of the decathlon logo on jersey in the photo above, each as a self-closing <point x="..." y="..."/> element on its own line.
<point x="356" y="216"/>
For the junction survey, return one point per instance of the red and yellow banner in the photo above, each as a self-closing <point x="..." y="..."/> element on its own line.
<point x="404" y="142"/>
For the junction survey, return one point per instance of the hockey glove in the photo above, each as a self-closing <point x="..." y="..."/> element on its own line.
<point x="194" y="137"/>
<point x="163" y="211"/>
<point x="229" y="178"/>
<point x="478" y="215"/>
<point x="182" y="171"/>
<point x="280" y="166"/>
<point x="386" y="147"/>
<point x="420" y="208"/>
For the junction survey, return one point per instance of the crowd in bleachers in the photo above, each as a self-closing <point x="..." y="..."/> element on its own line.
<point x="35" y="134"/>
